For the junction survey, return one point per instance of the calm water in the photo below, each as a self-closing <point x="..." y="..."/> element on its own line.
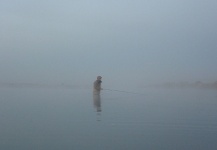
<point x="75" y="119"/>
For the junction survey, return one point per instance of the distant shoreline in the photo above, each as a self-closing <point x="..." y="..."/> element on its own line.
<point x="36" y="85"/>
<point x="197" y="84"/>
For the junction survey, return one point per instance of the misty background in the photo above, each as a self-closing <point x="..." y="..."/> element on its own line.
<point x="129" y="43"/>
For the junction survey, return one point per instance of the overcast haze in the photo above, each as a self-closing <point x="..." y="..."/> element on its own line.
<point x="129" y="43"/>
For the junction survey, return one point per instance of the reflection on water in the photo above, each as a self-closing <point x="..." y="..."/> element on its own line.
<point x="72" y="119"/>
<point x="97" y="104"/>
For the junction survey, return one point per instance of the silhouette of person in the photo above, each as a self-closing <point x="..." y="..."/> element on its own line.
<point x="97" y="84"/>
<point x="96" y="96"/>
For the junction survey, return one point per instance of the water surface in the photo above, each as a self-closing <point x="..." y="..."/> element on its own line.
<point x="75" y="119"/>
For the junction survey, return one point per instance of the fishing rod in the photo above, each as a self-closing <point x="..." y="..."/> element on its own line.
<point x="123" y="91"/>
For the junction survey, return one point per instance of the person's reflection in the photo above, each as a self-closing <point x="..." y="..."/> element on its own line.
<point x="97" y="101"/>
<point x="97" y="104"/>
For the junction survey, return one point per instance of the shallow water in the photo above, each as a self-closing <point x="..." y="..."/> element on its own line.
<point x="75" y="119"/>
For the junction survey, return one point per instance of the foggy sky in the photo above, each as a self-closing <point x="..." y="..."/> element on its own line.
<point x="128" y="42"/>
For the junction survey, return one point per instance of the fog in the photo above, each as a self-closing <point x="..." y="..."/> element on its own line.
<point x="128" y="43"/>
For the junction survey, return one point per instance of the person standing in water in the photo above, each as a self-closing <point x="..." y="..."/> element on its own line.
<point x="96" y="96"/>
<point x="97" y="85"/>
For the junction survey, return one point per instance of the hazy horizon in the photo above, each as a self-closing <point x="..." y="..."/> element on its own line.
<point x="128" y="43"/>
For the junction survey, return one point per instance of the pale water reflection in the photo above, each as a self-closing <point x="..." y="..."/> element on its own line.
<point x="54" y="119"/>
<point x="97" y="104"/>
<point x="97" y="101"/>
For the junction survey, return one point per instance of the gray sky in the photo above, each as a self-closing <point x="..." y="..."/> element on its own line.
<point x="128" y="42"/>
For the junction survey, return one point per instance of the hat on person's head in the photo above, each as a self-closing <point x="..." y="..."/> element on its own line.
<point x="99" y="77"/>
